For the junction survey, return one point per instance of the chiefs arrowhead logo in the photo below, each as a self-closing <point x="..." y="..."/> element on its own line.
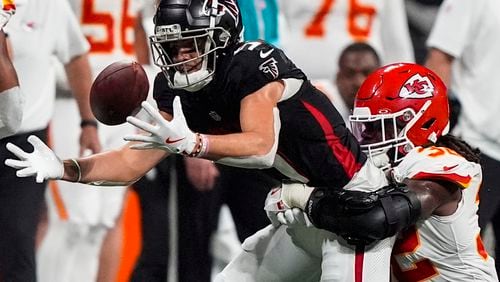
<point x="417" y="87"/>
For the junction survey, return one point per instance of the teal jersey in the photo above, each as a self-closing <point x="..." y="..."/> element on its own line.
<point x="260" y="20"/>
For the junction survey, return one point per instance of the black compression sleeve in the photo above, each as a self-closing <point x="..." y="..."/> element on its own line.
<point x="362" y="217"/>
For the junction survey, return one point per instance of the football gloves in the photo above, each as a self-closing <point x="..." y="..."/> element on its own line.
<point x="7" y="9"/>
<point x="280" y="212"/>
<point x="41" y="163"/>
<point x="173" y="136"/>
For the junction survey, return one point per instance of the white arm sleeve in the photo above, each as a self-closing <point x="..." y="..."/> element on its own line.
<point x="263" y="161"/>
<point x="11" y="111"/>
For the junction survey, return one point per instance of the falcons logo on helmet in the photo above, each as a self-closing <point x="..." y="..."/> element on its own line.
<point x="223" y="6"/>
<point x="417" y="87"/>
<point x="270" y="67"/>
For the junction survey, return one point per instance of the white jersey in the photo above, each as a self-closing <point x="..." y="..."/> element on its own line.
<point x="91" y="211"/>
<point x="34" y="43"/>
<point x="109" y="28"/>
<point x="468" y="30"/>
<point x="443" y="248"/>
<point x="300" y="253"/>
<point x="315" y="32"/>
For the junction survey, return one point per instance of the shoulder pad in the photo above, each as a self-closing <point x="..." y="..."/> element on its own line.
<point x="255" y="64"/>
<point x="436" y="163"/>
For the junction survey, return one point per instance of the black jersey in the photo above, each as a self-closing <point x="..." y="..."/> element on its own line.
<point x="313" y="143"/>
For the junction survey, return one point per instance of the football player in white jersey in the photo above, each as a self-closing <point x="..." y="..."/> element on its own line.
<point x="401" y="116"/>
<point x="315" y="32"/>
<point x="11" y="100"/>
<point x="90" y="215"/>
<point x="412" y="102"/>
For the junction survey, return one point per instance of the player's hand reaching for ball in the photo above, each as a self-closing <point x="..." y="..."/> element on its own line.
<point x="42" y="163"/>
<point x="174" y="136"/>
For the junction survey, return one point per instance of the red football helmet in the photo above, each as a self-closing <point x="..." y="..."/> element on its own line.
<point x="400" y="106"/>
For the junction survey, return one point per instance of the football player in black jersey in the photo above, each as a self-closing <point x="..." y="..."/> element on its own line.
<point x="243" y="104"/>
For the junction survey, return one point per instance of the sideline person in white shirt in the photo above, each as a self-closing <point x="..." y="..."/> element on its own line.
<point x="40" y="30"/>
<point x="11" y="100"/>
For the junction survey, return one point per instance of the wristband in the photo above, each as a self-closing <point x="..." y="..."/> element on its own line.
<point x="88" y="122"/>
<point x="79" y="170"/>
<point x="204" y="146"/>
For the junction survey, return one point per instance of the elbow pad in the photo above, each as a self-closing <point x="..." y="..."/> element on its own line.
<point x="260" y="162"/>
<point x="11" y="111"/>
<point x="361" y="217"/>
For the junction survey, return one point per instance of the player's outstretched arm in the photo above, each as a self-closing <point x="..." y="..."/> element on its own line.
<point x="254" y="147"/>
<point x="117" y="167"/>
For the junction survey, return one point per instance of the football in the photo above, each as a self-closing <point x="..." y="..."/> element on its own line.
<point x="117" y="92"/>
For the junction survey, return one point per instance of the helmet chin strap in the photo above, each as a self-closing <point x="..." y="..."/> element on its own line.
<point x="201" y="77"/>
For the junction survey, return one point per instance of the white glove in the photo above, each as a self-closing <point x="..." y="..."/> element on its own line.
<point x="294" y="217"/>
<point x="275" y="206"/>
<point x="280" y="209"/>
<point x="41" y="163"/>
<point x="7" y="9"/>
<point x="173" y="136"/>
<point x="279" y="213"/>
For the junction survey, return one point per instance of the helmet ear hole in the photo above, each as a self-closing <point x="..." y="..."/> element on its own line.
<point x="428" y="123"/>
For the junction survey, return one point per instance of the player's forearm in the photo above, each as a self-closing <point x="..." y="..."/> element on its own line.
<point x="8" y="76"/>
<point x="238" y="145"/>
<point x="244" y="151"/>
<point x="436" y="197"/>
<point x="116" y="167"/>
<point x="260" y="124"/>
<point x="440" y="62"/>
<point x="141" y="45"/>
<point x="80" y="80"/>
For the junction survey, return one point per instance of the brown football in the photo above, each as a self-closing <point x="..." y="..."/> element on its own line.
<point x="117" y="92"/>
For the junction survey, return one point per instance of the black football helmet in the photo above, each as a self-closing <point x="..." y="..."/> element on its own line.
<point x="204" y="27"/>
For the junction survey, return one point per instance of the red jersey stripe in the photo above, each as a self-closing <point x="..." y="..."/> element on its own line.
<point x="341" y="153"/>
<point x="358" y="263"/>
